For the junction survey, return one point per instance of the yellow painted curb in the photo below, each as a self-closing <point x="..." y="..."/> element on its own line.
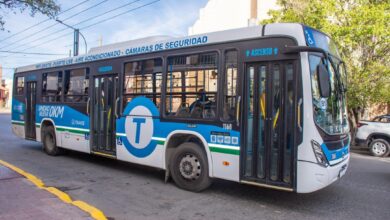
<point x="93" y="211"/>
<point x="63" y="196"/>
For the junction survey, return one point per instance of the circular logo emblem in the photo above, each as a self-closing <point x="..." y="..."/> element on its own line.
<point x="323" y="103"/>
<point x="139" y="127"/>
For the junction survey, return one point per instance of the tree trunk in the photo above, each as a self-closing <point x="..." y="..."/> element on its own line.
<point x="354" y="116"/>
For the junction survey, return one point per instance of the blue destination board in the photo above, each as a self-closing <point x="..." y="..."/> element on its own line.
<point x="103" y="69"/>
<point x="258" y="52"/>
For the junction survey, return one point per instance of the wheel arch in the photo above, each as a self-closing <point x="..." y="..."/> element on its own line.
<point x="48" y="122"/>
<point x="378" y="135"/>
<point x="175" y="138"/>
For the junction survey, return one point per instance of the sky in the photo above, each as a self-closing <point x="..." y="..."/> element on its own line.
<point x="163" y="17"/>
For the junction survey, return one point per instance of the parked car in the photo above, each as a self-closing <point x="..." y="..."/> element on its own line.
<point x="375" y="135"/>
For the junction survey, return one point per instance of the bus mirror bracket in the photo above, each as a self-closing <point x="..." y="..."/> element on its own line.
<point x="298" y="49"/>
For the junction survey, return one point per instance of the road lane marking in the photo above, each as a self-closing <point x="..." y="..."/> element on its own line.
<point x="93" y="211"/>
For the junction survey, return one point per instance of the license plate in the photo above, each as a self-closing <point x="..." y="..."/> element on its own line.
<point x="341" y="172"/>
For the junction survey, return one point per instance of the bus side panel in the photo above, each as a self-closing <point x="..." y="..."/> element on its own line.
<point x="155" y="159"/>
<point x="17" y="117"/>
<point x="142" y="138"/>
<point x="72" y="126"/>
<point x="226" y="166"/>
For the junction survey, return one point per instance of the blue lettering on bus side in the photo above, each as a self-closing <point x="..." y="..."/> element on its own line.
<point x="258" y="52"/>
<point x="194" y="41"/>
<point x="138" y="121"/>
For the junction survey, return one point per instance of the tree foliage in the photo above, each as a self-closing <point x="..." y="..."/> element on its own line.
<point x="361" y="29"/>
<point x="46" y="7"/>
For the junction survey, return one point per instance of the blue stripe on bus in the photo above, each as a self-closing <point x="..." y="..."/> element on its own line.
<point x="335" y="154"/>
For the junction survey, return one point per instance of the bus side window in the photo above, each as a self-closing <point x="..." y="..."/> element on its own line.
<point x="19" y="85"/>
<point x="52" y="87"/>
<point x="230" y="86"/>
<point x="192" y="86"/>
<point x="76" y="85"/>
<point x="143" y="78"/>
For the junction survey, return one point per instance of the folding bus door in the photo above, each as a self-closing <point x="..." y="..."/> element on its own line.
<point x="104" y="99"/>
<point x="31" y="96"/>
<point x="269" y="124"/>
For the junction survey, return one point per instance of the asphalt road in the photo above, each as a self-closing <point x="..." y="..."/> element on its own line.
<point x="127" y="191"/>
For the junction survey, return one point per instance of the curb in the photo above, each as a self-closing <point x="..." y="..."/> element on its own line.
<point x="93" y="211"/>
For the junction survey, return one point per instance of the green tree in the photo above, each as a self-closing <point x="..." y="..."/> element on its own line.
<point x="361" y="30"/>
<point x="46" y="7"/>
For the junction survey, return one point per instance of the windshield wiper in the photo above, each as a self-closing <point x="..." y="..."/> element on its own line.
<point x="340" y="85"/>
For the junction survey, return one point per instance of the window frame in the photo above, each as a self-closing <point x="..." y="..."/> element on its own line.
<point x="124" y="94"/>
<point x="16" y="87"/>
<point x="224" y="76"/>
<point x="66" y="79"/>
<point x="60" y="84"/>
<point x="164" y="112"/>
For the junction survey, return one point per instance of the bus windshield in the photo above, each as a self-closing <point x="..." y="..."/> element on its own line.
<point x="330" y="113"/>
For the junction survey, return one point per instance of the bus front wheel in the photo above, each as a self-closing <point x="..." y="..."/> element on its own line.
<point x="189" y="167"/>
<point x="49" y="141"/>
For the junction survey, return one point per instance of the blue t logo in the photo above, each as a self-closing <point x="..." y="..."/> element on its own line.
<point x="138" y="121"/>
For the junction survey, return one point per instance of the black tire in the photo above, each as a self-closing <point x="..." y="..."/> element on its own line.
<point x="192" y="177"/>
<point x="379" y="148"/>
<point x="49" y="141"/>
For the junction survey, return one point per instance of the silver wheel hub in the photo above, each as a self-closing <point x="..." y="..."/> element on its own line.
<point x="190" y="167"/>
<point x="379" y="148"/>
<point x="50" y="141"/>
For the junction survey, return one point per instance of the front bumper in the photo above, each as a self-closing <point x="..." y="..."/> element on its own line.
<point x="312" y="176"/>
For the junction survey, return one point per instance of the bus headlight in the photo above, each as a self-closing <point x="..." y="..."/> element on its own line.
<point x="320" y="156"/>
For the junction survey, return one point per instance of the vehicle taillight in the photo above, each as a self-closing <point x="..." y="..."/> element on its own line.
<point x="360" y="124"/>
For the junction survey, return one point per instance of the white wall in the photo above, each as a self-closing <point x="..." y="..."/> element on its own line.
<point x="9" y="83"/>
<point x="220" y="15"/>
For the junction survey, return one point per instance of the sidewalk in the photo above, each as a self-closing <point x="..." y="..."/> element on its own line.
<point x="5" y="110"/>
<point x="21" y="199"/>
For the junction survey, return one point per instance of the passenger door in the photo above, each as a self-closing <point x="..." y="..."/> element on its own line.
<point x="31" y="96"/>
<point x="269" y="124"/>
<point x="103" y="108"/>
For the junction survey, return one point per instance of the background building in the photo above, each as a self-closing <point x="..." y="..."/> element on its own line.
<point x="4" y="91"/>
<point x="220" y="15"/>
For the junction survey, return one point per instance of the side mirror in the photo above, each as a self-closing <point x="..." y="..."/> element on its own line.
<point x="323" y="80"/>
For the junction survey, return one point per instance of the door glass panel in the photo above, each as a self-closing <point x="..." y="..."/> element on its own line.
<point x="30" y="110"/>
<point x="250" y="110"/>
<point x="289" y="122"/>
<point x="108" y="111"/>
<point x="275" y="121"/>
<point x="102" y="115"/>
<point x="261" y="121"/>
<point x="105" y="94"/>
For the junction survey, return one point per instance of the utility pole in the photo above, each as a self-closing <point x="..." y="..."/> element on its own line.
<point x="76" y="42"/>
<point x="253" y="13"/>
<point x="100" y="41"/>
<point x="76" y="35"/>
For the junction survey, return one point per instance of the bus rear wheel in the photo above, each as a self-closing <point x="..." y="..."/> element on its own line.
<point x="49" y="141"/>
<point x="189" y="168"/>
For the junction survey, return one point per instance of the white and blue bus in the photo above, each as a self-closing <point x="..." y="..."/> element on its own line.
<point x="261" y="105"/>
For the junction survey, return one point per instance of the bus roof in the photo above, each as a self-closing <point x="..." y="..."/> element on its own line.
<point x="148" y="45"/>
<point x="163" y="43"/>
